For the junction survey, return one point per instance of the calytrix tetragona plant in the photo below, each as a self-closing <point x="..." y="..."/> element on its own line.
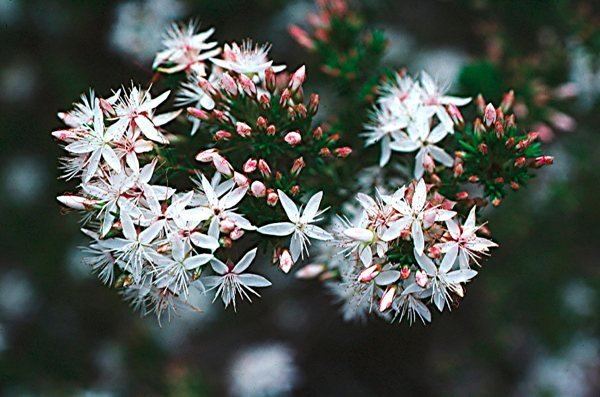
<point x="160" y="224"/>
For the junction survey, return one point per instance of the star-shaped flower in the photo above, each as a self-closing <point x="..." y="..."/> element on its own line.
<point x="299" y="226"/>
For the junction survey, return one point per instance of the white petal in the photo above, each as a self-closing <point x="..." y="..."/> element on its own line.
<point x="417" y="235"/>
<point x="296" y="246"/>
<point x="109" y="155"/>
<point x="396" y="228"/>
<point x="441" y="156"/>
<point x="317" y="233"/>
<point x="426" y="264"/>
<point x="197" y="260"/>
<point x="460" y="276"/>
<point x="149" y="130"/>
<point x="420" y="195"/>
<point x="386" y="151"/>
<point x="245" y="261"/>
<point x="128" y="227"/>
<point x="164" y="118"/>
<point x="387" y="277"/>
<point x="312" y="207"/>
<point x="218" y="266"/>
<point x="204" y="241"/>
<point x="289" y="207"/>
<point x="254" y="280"/>
<point x="278" y="229"/>
<point x="449" y="260"/>
<point x="233" y="197"/>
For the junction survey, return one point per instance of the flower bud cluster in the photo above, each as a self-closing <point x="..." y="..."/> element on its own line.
<point x="493" y="153"/>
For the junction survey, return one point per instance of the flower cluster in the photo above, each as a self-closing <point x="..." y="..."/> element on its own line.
<point x="155" y="237"/>
<point x="405" y="251"/>
<point x="256" y="114"/>
<point x="413" y="116"/>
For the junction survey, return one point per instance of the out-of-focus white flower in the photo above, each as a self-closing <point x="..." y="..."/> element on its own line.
<point x="186" y="49"/>
<point x="247" y="58"/>
<point x="138" y="26"/>
<point x="264" y="370"/>
<point x="18" y="79"/>
<point x="230" y="281"/>
<point x="23" y="180"/>
<point x="299" y="226"/>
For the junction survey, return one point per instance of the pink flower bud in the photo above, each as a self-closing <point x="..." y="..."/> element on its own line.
<point x="240" y="179"/>
<point x="76" y="202"/>
<point x="285" y="261"/>
<point x="226" y="225"/>
<point x="272" y="199"/>
<point x="455" y="114"/>
<point x="198" y="113"/>
<point x="310" y="271"/>
<point x="297" y="78"/>
<point x="236" y="234"/>
<point x="206" y="156"/>
<point x="428" y="163"/>
<point x="343" y="152"/>
<point x="243" y="129"/>
<point x="421" y="278"/>
<point x="222" y="165"/>
<point x="544" y="160"/>
<point x="106" y="106"/>
<point x="387" y="298"/>
<point x="222" y="135"/>
<point x="489" y="114"/>
<point x="298" y="165"/>
<point x="143" y="146"/>
<point x="258" y="189"/>
<point x="250" y="166"/>
<point x="264" y="168"/>
<point x="206" y="86"/>
<point x="369" y="273"/>
<point x="247" y="84"/>
<point x="65" y="135"/>
<point x="229" y="84"/>
<point x="292" y="138"/>
<point x="301" y="37"/>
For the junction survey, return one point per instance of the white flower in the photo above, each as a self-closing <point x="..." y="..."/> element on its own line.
<point x="230" y="282"/>
<point x="222" y="200"/>
<point x="414" y="216"/>
<point x="186" y="49"/>
<point x="420" y="136"/>
<point x="134" y="249"/>
<point x="385" y="123"/>
<point x="97" y="143"/>
<point x="300" y="226"/>
<point x="443" y="280"/>
<point x="137" y="110"/>
<point x="433" y="96"/>
<point x="109" y="191"/>
<point x="191" y="94"/>
<point x="173" y="271"/>
<point x="465" y="240"/>
<point x="248" y="59"/>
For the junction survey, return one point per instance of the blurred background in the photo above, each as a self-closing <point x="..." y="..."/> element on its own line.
<point x="529" y="325"/>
